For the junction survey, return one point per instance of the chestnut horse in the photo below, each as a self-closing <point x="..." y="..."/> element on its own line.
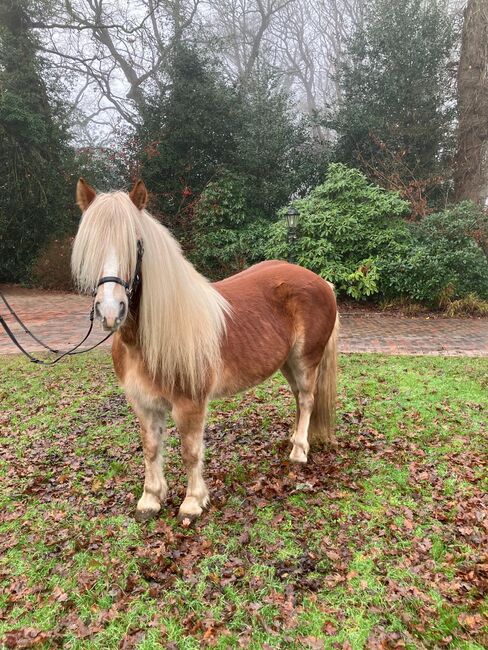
<point x="181" y="341"/>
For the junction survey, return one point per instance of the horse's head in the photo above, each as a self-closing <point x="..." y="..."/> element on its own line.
<point x="107" y="249"/>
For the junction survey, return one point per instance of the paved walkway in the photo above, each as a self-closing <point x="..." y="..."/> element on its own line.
<point x="61" y="320"/>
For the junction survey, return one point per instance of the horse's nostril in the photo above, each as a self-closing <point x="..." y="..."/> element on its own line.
<point x="122" y="310"/>
<point x="97" y="310"/>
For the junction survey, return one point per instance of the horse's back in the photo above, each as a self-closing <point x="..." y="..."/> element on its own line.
<point x="280" y="285"/>
<point x="276" y="306"/>
<point x="272" y="273"/>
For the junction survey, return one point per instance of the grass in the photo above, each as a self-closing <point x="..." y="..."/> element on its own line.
<point x="381" y="544"/>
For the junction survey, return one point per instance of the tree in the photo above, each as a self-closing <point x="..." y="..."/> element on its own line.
<point x="114" y="51"/>
<point x="117" y="52"/>
<point x="32" y="157"/>
<point x="186" y="135"/>
<point x="202" y="129"/>
<point x="396" y="114"/>
<point x="277" y="151"/>
<point x="471" y="171"/>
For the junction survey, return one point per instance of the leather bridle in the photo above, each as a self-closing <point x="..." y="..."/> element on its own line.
<point x="130" y="290"/>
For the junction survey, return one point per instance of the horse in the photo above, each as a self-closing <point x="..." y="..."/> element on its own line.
<point x="180" y="340"/>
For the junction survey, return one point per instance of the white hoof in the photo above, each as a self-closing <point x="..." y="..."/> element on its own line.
<point x="148" y="501"/>
<point x="191" y="508"/>
<point x="298" y="455"/>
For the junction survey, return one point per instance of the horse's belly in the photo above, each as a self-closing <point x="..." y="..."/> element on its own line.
<point x="250" y="360"/>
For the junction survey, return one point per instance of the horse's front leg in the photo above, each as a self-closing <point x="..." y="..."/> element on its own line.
<point x="153" y="436"/>
<point x="189" y="417"/>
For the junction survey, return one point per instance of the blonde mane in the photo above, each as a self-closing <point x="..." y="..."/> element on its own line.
<point x="182" y="317"/>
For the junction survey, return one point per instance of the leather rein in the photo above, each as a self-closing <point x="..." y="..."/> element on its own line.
<point x="130" y="290"/>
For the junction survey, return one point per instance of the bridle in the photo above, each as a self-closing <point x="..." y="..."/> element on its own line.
<point x="130" y="290"/>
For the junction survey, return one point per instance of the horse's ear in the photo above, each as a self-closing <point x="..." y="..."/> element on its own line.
<point x="84" y="194"/>
<point x="138" y="195"/>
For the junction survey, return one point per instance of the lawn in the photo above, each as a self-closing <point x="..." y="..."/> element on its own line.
<point x="380" y="544"/>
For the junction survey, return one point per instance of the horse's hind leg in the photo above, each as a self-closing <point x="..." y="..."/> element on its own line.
<point x="189" y="417"/>
<point x="304" y="379"/>
<point x="153" y="435"/>
<point x="294" y="389"/>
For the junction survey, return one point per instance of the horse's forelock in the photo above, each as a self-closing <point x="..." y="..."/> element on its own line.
<point x="109" y="225"/>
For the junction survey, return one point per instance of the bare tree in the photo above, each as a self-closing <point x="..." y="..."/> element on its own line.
<point x="302" y="40"/>
<point x="311" y="37"/>
<point x="113" y="50"/>
<point x="244" y="29"/>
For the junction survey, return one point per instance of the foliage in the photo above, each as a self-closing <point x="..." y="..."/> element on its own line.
<point x="449" y="252"/>
<point x="352" y="233"/>
<point x="201" y="126"/>
<point x="275" y="151"/>
<point x="185" y="135"/>
<point x="286" y="557"/>
<point x="470" y="305"/>
<point x="33" y="156"/>
<point x="344" y="226"/>
<point x="227" y="236"/>
<point x="396" y="115"/>
<point x="103" y="167"/>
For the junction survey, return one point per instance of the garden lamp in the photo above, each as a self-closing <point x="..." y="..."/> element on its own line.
<point x="292" y="216"/>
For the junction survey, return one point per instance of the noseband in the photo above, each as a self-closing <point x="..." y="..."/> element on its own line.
<point x="131" y="288"/>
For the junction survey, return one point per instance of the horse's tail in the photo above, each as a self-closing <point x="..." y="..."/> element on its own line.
<point x="322" y="422"/>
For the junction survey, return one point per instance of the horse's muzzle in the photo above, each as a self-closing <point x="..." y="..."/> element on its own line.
<point x="111" y="319"/>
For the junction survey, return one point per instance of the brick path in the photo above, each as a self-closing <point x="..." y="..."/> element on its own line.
<point x="394" y="334"/>
<point x="62" y="320"/>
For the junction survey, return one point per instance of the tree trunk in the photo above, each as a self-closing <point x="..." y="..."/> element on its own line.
<point x="471" y="170"/>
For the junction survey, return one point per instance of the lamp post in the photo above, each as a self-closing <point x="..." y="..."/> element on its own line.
<point x="292" y="216"/>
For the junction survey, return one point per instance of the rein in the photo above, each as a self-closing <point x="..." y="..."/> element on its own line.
<point x="130" y="290"/>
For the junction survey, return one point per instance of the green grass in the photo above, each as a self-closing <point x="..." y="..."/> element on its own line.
<point x="381" y="544"/>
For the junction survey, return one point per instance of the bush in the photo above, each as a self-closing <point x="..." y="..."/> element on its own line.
<point x="449" y="253"/>
<point x="471" y="305"/>
<point x="352" y="233"/>
<point x="227" y="237"/>
<point x="345" y="224"/>
<point x="51" y="269"/>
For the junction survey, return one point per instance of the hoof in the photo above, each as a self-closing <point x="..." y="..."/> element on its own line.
<point x="186" y="519"/>
<point x="192" y="508"/>
<point x="298" y="455"/>
<point x="149" y="504"/>
<point x="145" y="515"/>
